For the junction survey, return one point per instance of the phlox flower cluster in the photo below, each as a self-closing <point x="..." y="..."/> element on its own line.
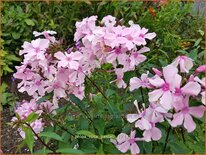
<point x="170" y="93"/>
<point x="45" y="70"/>
<point x="26" y="108"/>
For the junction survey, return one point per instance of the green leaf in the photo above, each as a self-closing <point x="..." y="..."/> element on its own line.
<point x="44" y="98"/>
<point x="197" y="42"/>
<point x="86" y="133"/>
<point x="193" y="54"/>
<point x="147" y="147"/>
<point x="179" y="147"/>
<point x="29" y="22"/>
<point x="51" y="135"/>
<point x="76" y="100"/>
<point x="32" y="117"/>
<point x="100" y="150"/>
<point x="15" y="35"/>
<point x="70" y="151"/>
<point x="110" y="92"/>
<point x="29" y="138"/>
<point x="99" y="124"/>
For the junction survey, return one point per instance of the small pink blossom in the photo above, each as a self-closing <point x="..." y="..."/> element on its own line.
<point x="125" y="143"/>
<point x="185" y="63"/>
<point x="164" y="88"/>
<point x="200" y="69"/>
<point x="184" y="114"/>
<point x="46" y="34"/>
<point x="68" y="60"/>
<point x="136" y="83"/>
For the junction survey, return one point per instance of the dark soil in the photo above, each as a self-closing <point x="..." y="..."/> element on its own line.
<point x="10" y="138"/>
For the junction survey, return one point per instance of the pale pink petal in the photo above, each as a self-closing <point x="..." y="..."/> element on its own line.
<point x="147" y="135"/>
<point x="178" y="102"/>
<point x="62" y="63"/>
<point x="132" y="134"/>
<point x="60" y="56"/>
<point x="197" y="111"/>
<point x="143" y="50"/>
<point x="135" y="83"/>
<point x="111" y="58"/>
<point x="177" y="81"/>
<point x="122" y="137"/>
<point x="76" y="56"/>
<point x="150" y="36"/>
<point x="166" y="100"/>
<point x="134" y="148"/>
<point x="169" y="73"/>
<point x="156" y="133"/>
<point x="44" y="43"/>
<point x="74" y="65"/>
<point x="155" y="95"/>
<point x="124" y="147"/>
<point x="191" y="88"/>
<point x="188" y="63"/>
<point x="203" y="97"/>
<point x="177" y="119"/>
<point x="157" y="81"/>
<point x="189" y="124"/>
<point x="143" y="124"/>
<point x="132" y="117"/>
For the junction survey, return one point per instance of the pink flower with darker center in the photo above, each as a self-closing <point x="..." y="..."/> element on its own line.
<point x="184" y="114"/>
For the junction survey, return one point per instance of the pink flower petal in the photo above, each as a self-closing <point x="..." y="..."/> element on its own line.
<point x="124" y="147"/>
<point x="157" y="81"/>
<point x="132" y="117"/>
<point x="122" y="137"/>
<point x="177" y="119"/>
<point x="156" y="133"/>
<point x="169" y="73"/>
<point x="191" y="88"/>
<point x="197" y="111"/>
<point x="155" y="95"/>
<point x="189" y="124"/>
<point x="134" y="149"/>
<point x="166" y="100"/>
<point x="135" y="83"/>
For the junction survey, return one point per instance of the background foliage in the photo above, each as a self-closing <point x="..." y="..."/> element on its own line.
<point x="178" y="32"/>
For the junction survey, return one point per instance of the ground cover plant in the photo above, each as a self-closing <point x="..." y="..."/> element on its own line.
<point x="116" y="85"/>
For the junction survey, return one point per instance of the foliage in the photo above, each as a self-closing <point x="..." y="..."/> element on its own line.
<point x="87" y="126"/>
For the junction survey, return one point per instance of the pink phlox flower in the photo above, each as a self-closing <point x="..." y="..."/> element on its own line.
<point x="35" y="50"/>
<point x="202" y="83"/>
<point x="184" y="114"/>
<point x="139" y="117"/>
<point x="37" y="126"/>
<point x="85" y="27"/>
<point x="58" y="88"/>
<point x="164" y="88"/>
<point x="125" y="142"/>
<point x="46" y="34"/>
<point x="157" y="72"/>
<point x="26" y="108"/>
<point x="200" y="69"/>
<point x="137" y="57"/>
<point x="136" y="83"/>
<point x="36" y="85"/>
<point x="184" y="62"/>
<point x="79" y="92"/>
<point x="119" y="81"/>
<point x="77" y="76"/>
<point x="63" y="74"/>
<point x="48" y="107"/>
<point x="68" y="60"/>
<point x="109" y="21"/>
